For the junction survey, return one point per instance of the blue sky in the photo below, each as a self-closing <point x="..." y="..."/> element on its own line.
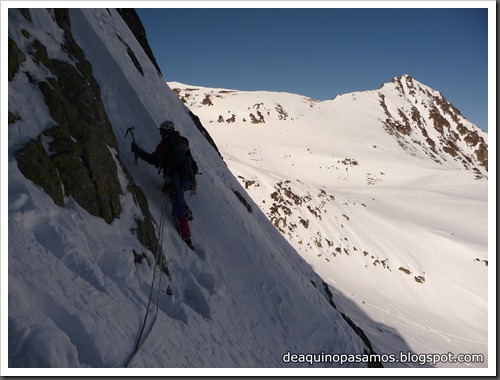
<point x="328" y="51"/>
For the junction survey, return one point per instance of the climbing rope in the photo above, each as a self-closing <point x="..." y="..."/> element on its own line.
<point x="158" y="262"/>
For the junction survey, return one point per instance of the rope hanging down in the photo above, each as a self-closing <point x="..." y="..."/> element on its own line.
<point x="158" y="262"/>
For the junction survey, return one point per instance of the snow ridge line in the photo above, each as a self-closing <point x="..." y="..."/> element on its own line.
<point x="158" y="262"/>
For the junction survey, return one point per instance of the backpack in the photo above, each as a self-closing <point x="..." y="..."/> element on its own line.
<point x="179" y="159"/>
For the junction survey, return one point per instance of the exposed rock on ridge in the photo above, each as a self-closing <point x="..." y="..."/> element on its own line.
<point x="77" y="156"/>
<point x="428" y="111"/>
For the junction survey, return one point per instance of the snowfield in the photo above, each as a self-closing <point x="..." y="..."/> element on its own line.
<point x="399" y="235"/>
<point x="316" y="225"/>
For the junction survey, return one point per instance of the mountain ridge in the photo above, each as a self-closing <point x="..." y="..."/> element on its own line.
<point x="393" y="269"/>
<point x="79" y="279"/>
<point x="431" y="122"/>
<point x="387" y="184"/>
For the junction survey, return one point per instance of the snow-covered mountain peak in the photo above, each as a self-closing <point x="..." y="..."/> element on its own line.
<point x="383" y="192"/>
<point x="407" y="86"/>
<point x="390" y="227"/>
<point x="422" y="116"/>
<point x="419" y="119"/>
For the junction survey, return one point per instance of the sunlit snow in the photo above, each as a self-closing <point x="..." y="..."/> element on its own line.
<point x="412" y="234"/>
<point x="402" y="237"/>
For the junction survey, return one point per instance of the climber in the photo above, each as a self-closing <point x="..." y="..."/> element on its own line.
<point x="173" y="157"/>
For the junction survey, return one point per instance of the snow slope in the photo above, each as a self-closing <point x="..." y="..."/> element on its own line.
<point x="76" y="296"/>
<point x="379" y="196"/>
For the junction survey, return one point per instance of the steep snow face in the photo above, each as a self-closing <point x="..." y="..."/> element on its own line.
<point x="78" y="287"/>
<point x="383" y="192"/>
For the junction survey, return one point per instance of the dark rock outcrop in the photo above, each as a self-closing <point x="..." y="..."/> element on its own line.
<point x="134" y="23"/>
<point x="77" y="157"/>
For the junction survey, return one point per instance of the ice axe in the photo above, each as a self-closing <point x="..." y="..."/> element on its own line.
<point x="131" y="130"/>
